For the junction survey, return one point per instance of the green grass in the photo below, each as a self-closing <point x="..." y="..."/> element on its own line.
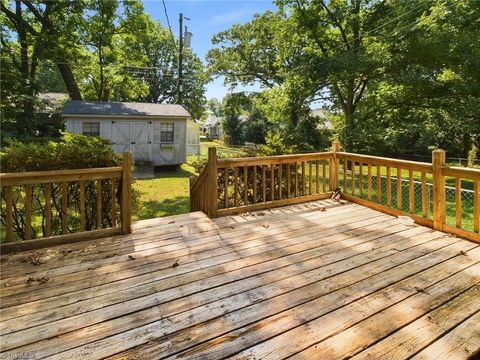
<point x="167" y="194"/>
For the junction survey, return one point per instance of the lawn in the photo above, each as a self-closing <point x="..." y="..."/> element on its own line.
<point x="165" y="195"/>
<point x="168" y="194"/>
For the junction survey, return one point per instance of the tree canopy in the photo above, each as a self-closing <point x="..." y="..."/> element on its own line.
<point x="399" y="76"/>
<point x="99" y="49"/>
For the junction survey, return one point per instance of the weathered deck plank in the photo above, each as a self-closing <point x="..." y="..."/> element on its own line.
<point x="302" y="281"/>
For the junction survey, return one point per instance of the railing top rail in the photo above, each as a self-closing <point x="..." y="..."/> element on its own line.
<point x="199" y="179"/>
<point x="465" y="173"/>
<point x="38" y="177"/>
<point x="277" y="159"/>
<point x="406" y="164"/>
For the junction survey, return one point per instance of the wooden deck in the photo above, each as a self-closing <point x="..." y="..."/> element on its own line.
<point x="314" y="281"/>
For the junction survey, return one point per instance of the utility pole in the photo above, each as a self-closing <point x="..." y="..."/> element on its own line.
<point x="180" y="64"/>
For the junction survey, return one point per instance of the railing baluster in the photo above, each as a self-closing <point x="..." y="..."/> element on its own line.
<point x="389" y="186"/>
<point x="236" y="187"/>
<point x="225" y="194"/>
<point x="379" y="183"/>
<point x="264" y="187"/>
<point x="48" y="210"/>
<point x="317" y="178"/>
<point x="296" y="179"/>
<point x="9" y="214"/>
<point x="476" y="206"/>
<point x="81" y="184"/>
<point x="345" y="178"/>
<point x="310" y="178"/>
<point x="458" y="202"/>
<point x="28" y="211"/>
<point x="288" y="180"/>
<point x="255" y="184"/>
<point x="425" y="209"/>
<point x="369" y="175"/>
<point x="324" y="176"/>
<point x="245" y="185"/>
<point x="411" y="192"/>
<point x="399" y="188"/>
<point x="64" y="207"/>
<point x="99" y="204"/>
<point x="280" y="181"/>
<point x="113" y="203"/>
<point x="352" y="163"/>
<point x="272" y="182"/>
<point x="303" y="179"/>
<point x="360" y="178"/>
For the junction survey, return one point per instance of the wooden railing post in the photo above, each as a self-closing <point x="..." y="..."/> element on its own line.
<point x="439" y="207"/>
<point x="212" y="182"/>
<point x="126" y="193"/>
<point x="334" y="166"/>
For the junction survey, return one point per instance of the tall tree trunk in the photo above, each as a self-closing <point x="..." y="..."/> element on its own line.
<point x="70" y="82"/>
<point x="25" y="116"/>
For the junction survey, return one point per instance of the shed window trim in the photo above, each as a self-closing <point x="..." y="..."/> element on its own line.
<point x="167" y="132"/>
<point x="91" y="128"/>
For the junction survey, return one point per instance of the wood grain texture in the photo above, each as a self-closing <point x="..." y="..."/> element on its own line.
<point x="268" y="285"/>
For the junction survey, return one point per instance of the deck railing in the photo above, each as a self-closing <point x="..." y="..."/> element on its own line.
<point x="397" y="187"/>
<point x="61" y="199"/>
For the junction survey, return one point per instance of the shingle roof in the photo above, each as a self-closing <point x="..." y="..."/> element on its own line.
<point x="76" y="107"/>
<point x="212" y="120"/>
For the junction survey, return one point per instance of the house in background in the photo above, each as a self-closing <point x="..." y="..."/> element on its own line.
<point x="213" y="126"/>
<point x="325" y="122"/>
<point x="156" y="134"/>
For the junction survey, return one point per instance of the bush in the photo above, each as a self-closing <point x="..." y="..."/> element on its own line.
<point x="69" y="152"/>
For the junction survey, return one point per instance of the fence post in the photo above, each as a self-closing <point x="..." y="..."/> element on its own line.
<point x="334" y="166"/>
<point x="126" y="193"/>
<point x="439" y="207"/>
<point x="212" y="182"/>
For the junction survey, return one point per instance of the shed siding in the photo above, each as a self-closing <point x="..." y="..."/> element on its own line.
<point x="161" y="153"/>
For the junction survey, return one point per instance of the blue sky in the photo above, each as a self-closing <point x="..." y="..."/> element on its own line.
<point x="207" y="17"/>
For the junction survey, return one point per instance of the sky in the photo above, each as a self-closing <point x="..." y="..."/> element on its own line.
<point x="207" y="17"/>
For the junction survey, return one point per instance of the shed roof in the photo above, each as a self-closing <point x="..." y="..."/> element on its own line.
<point x="100" y="108"/>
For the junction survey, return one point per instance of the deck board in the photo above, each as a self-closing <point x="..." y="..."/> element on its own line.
<point x="316" y="280"/>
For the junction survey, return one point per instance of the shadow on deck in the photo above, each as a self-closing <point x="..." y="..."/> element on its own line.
<point x="320" y="280"/>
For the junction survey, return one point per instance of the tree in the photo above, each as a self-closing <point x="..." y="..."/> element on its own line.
<point x="213" y="105"/>
<point x="137" y="59"/>
<point x="106" y="30"/>
<point x="256" y="127"/>
<point x="266" y="51"/>
<point x="233" y="106"/>
<point x="47" y="30"/>
<point x="32" y="33"/>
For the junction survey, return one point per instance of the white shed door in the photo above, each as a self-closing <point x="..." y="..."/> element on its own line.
<point x="139" y="146"/>
<point x="132" y="136"/>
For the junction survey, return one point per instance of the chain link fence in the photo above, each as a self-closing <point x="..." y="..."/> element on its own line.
<point x="467" y="196"/>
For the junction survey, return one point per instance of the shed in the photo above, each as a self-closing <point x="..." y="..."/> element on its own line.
<point x="193" y="137"/>
<point x="155" y="133"/>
